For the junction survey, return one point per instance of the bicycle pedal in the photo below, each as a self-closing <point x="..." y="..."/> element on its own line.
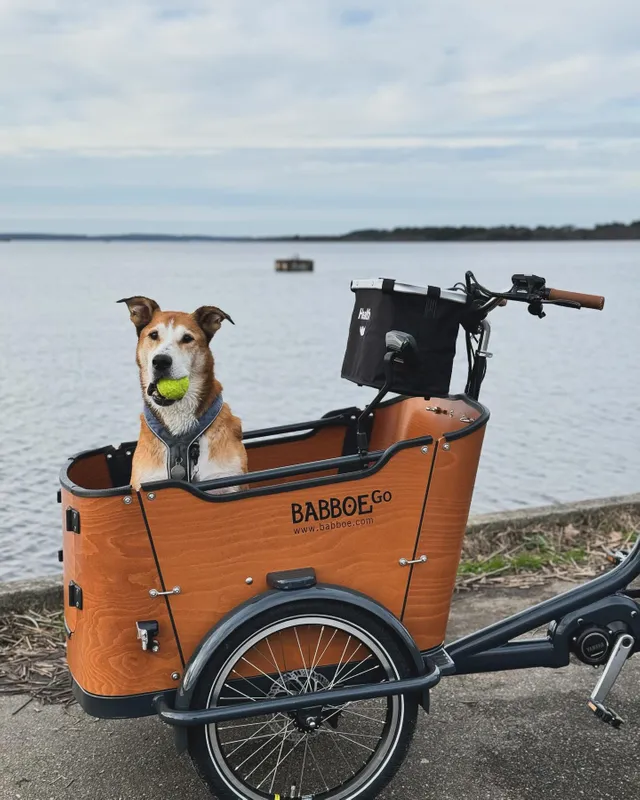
<point x="605" y="714"/>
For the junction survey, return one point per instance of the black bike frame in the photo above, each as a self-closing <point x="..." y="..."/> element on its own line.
<point x="491" y="648"/>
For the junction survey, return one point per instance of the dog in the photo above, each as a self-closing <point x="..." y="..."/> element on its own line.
<point x="195" y="438"/>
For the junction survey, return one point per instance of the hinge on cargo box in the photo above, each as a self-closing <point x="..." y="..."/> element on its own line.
<point x="59" y="496"/>
<point x="75" y="595"/>
<point x="73" y="520"/>
<point x="61" y="556"/>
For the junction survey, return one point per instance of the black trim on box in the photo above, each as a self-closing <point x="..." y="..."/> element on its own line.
<point x="120" y="707"/>
<point x="479" y="422"/>
<point x="202" y="490"/>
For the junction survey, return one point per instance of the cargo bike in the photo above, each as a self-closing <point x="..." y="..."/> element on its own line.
<point x="290" y="631"/>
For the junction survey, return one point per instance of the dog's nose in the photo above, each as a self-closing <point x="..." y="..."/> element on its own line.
<point x="162" y="362"/>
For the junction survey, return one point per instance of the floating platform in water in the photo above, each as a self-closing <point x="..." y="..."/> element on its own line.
<point x="295" y="264"/>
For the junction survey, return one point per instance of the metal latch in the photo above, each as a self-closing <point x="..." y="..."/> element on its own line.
<point x="75" y="595"/>
<point x="147" y="631"/>
<point x="73" y="520"/>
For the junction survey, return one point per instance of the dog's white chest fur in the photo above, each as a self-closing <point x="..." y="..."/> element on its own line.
<point x="210" y="467"/>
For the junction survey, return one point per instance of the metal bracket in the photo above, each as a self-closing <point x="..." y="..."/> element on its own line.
<point x="621" y="651"/>
<point x="73" y="520"/>
<point x="147" y="630"/>
<point x="75" y="595"/>
<point x="483" y="344"/>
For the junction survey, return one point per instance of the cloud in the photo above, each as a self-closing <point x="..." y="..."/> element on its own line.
<point x="267" y="102"/>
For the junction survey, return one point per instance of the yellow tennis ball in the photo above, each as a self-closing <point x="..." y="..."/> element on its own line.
<point x="173" y="389"/>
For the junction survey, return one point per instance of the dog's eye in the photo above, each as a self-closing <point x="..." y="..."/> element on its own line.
<point x="187" y="338"/>
<point x="153" y="335"/>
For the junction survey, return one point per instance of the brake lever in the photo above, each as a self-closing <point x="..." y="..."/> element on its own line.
<point x="564" y="303"/>
<point x="535" y="306"/>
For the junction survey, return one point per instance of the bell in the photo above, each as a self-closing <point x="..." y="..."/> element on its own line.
<point x="178" y="472"/>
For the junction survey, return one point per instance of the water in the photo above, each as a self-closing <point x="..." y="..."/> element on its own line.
<point x="562" y="391"/>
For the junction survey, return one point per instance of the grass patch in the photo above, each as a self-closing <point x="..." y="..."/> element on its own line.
<point x="528" y="559"/>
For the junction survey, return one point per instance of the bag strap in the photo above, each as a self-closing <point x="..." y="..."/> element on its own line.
<point x="387" y="285"/>
<point x="431" y="303"/>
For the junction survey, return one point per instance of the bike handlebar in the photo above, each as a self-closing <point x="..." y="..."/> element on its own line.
<point x="586" y="300"/>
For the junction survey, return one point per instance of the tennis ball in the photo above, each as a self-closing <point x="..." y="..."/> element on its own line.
<point x="173" y="389"/>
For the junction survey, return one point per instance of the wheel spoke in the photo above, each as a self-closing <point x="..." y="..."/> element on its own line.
<point x="304" y="663"/>
<point x="269" y="754"/>
<point x="280" y="762"/>
<point x="313" y="662"/>
<point x="348" y="661"/>
<point x="359" y="675"/>
<point x="261" y="671"/>
<point x="232" y="727"/>
<point x="342" y="755"/>
<point x="250" y="682"/>
<point x="275" y="769"/>
<point x="275" y="663"/>
<point x="326" y="786"/>
<point x="304" y="761"/>
<point x="244" y="695"/>
<point x="348" y="738"/>
<point x="358" y="714"/>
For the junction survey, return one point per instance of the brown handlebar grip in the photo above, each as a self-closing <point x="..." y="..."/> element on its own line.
<point x="585" y="300"/>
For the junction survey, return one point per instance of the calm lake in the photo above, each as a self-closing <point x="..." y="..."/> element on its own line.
<point x="563" y="391"/>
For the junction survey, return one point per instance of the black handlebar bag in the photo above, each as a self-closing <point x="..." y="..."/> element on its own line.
<point x="423" y="312"/>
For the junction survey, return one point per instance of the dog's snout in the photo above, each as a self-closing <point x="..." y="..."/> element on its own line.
<point x="162" y="362"/>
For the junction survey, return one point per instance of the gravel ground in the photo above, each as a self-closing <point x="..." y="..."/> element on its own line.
<point x="509" y="736"/>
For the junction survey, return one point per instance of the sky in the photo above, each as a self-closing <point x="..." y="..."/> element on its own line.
<point x="262" y="117"/>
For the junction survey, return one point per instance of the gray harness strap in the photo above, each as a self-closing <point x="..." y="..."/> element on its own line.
<point x="182" y="451"/>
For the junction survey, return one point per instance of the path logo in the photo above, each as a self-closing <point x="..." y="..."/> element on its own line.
<point x="365" y="314"/>
<point x="336" y="507"/>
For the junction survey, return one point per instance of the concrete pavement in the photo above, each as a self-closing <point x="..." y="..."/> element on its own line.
<point x="503" y="736"/>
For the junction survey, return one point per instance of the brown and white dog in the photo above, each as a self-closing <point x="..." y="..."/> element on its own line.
<point x="173" y="345"/>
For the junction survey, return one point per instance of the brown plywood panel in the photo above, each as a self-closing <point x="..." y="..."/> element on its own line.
<point x="443" y="527"/>
<point x="326" y="443"/>
<point x="413" y="417"/>
<point x="91" y="472"/>
<point x="209" y="549"/>
<point x="113" y="564"/>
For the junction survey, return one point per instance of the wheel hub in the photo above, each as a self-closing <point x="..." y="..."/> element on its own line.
<point x="300" y="681"/>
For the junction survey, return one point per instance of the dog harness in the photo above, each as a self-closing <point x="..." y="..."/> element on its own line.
<point x="182" y="451"/>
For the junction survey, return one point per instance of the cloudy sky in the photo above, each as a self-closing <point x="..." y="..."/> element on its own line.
<point x="317" y="116"/>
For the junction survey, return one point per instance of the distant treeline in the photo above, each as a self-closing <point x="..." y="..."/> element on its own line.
<point x="448" y="233"/>
<point x="503" y="233"/>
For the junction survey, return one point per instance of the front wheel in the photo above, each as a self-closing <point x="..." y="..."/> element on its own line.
<point x="322" y="753"/>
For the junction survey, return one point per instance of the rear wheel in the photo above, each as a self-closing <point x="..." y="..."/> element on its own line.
<point x="325" y="753"/>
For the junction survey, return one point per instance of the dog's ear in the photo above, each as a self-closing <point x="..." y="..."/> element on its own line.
<point x="209" y="318"/>
<point x="141" y="309"/>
